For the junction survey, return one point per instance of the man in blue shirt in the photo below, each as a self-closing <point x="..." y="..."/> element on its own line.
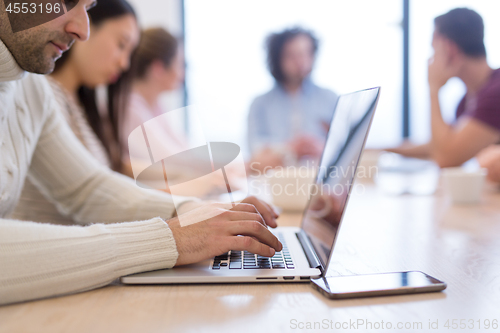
<point x="289" y="124"/>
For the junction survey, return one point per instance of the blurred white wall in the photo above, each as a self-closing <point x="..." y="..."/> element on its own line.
<point x="166" y="13"/>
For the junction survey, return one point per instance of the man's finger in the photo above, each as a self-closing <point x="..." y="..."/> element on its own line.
<point x="257" y="230"/>
<point x="245" y="207"/>
<point x="265" y="210"/>
<point x="245" y="243"/>
<point x="272" y="209"/>
<point x="244" y="216"/>
<point x="267" y="213"/>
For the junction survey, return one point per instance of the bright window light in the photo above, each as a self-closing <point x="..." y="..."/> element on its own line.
<point x="361" y="46"/>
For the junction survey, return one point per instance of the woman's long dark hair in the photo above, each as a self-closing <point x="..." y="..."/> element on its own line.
<point x="107" y="132"/>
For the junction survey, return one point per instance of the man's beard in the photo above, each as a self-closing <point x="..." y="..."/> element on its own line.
<point x="30" y="50"/>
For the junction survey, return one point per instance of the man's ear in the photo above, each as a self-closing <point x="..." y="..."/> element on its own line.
<point x="447" y="50"/>
<point x="455" y="54"/>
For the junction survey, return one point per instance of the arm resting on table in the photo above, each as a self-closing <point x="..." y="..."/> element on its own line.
<point x="41" y="260"/>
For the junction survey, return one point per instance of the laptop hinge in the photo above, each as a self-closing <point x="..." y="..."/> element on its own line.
<point x="308" y="250"/>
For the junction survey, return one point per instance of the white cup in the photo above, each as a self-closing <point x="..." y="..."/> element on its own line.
<point x="464" y="187"/>
<point x="290" y="187"/>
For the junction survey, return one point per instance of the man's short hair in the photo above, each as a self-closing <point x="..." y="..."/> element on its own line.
<point x="275" y="44"/>
<point x="465" y="27"/>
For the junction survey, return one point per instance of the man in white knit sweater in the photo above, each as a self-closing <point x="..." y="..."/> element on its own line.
<point x="42" y="260"/>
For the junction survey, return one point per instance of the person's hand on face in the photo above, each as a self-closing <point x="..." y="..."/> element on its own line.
<point x="441" y="66"/>
<point x="242" y="228"/>
<point x="306" y="145"/>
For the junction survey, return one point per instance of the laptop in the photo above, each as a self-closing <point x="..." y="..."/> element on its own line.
<point x="306" y="249"/>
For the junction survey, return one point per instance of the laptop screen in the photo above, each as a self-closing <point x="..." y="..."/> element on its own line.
<point x="328" y="197"/>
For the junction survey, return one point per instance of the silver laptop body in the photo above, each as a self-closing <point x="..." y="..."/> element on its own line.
<point x="307" y="249"/>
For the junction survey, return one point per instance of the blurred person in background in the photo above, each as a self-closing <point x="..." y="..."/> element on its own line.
<point x="459" y="51"/>
<point x="289" y="123"/>
<point x="99" y="61"/>
<point x="157" y="67"/>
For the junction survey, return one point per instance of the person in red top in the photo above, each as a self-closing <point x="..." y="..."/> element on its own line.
<point x="459" y="51"/>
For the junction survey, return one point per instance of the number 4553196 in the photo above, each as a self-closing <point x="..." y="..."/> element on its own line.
<point x="471" y="324"/>
<point x="33" y="8"/>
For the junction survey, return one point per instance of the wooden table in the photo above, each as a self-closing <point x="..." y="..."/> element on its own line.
<point x="381" y="233"/>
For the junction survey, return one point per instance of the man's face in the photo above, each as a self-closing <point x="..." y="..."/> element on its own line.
<point x="448" y="53"/>
<point x="297" y="59"/>
<point x="437" y="38"/>
<point x="37" y="49"/>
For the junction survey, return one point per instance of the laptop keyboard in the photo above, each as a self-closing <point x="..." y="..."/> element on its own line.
<point x="246" y="260"/>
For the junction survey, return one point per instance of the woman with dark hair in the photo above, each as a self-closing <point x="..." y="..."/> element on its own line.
<point x="289" y="123"/>
<point x="99" y="61"/>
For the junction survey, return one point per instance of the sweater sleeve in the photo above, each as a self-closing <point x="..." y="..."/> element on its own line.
<point x="42" y="260"/>
<point x="67" y="174"/>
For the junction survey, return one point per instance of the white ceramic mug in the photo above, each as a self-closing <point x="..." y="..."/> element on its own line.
<point x="290" y="187"/>
<point x="464" y="187"/>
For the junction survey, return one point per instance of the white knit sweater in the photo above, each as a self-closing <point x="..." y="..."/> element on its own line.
<point x="41" y="260"/>
<point x="32" y="206"/>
